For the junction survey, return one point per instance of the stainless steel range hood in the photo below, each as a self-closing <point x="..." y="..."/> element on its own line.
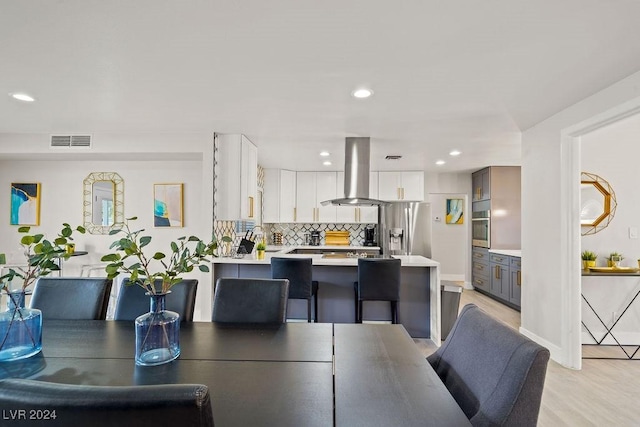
<point x="356" y="175"/>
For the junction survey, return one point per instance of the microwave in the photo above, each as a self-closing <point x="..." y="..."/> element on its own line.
<point x="481" y="228"/>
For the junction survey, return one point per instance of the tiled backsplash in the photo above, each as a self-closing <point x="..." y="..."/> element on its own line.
<point x="294" y="233"/>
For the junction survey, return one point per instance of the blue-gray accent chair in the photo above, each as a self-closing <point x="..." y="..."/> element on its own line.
<point x="494" y="373"/>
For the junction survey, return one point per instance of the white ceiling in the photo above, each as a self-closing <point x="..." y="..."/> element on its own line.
<point x="462" y="74"/>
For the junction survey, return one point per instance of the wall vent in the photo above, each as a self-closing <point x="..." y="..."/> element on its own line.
<point x="70" y="141"/>
<point x="393" y="157"/>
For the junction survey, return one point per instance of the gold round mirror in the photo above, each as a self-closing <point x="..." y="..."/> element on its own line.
<point x="597" y="203"/>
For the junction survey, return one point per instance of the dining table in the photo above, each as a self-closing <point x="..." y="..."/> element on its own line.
<point x="291" y="374"/>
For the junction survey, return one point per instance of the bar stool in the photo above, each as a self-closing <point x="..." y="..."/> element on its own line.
<point x="378" y="280"/>
<point x="301" y="285"/>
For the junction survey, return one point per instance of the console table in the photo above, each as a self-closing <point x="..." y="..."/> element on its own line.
<point x="609" y="329"/>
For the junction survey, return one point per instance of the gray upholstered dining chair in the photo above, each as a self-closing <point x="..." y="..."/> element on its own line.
<point x="72" y="298"/>
<point x="86" y="405"/>
<point x="133" y="301"/>
<point x="250" y="300"/>
<point x="301" y="284"/>
<point x="494" y="373"/>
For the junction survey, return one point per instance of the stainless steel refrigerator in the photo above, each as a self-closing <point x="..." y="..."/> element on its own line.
<point x="405" y="228"/>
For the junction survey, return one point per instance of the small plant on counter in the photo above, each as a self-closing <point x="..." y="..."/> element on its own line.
<point x="589" y="256"/>
<point x="260" y="248"/>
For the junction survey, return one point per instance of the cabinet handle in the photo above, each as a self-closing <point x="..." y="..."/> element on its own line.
<point x="250" y="207"/>
<point x="295" y="214"/>
<point x="356" y="214"/>
<point x="519" y="278"/>
<point x="497" y="271"/>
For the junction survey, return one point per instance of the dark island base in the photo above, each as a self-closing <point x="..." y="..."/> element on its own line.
<point x="336" y="296"/>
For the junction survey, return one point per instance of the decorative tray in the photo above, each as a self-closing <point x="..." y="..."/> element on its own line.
<point x="613" y="270"/>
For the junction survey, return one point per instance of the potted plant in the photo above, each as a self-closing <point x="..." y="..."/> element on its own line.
<point x="588" y="259"/>
<point x="157" y="332"/>
<point x="20" y="327"/>
<point x="261" y="247"/>
<point x="614" y="259"/>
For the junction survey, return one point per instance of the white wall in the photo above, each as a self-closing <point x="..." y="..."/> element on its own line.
<point x="450" y="244"/>
<point x="612" y="152"/>
<point x="62" y="188"/>
<point x="550" y="242"/>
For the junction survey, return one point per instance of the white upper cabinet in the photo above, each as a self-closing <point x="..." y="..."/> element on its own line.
<point x="279" y="195"/>
<point x="237" y="178"/>
<point x="357" y="214"/>
<point x="406" y="186"/>
<point x="312" y="188"/>
<point x="369" y="214"/>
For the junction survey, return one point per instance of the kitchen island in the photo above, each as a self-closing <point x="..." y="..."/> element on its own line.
<point x="418" y="308"/>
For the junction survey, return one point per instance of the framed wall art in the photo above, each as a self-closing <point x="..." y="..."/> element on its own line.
<point x="455" y="213"/>
<point x="167" y="205"/>
<point x="25" y="203"/>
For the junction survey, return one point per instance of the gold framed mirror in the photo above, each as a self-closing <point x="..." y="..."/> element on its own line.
<point x="103" y="202"/>
<point x="597" y="203"/>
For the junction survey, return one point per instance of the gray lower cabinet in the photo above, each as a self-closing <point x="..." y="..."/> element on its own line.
<point x="497" y="275"/>
<point x="499" y="265"/>
<point x="480" y="267"/>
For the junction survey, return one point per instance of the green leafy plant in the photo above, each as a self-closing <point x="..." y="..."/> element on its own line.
<point x="589" y="256"/>
<point x="42" y="255"/>
<point x="260" y="246"/>
<point x="129" y="257"/>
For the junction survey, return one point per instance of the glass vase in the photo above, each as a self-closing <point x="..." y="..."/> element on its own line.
<point x="157" y="334"/>
<point x="20" y="329"/>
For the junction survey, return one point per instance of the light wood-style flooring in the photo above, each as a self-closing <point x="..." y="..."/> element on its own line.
<point x="603" y="393"/>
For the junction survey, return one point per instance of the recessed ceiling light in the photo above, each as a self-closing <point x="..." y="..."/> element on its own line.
<point x="324" y="153"/>
<point x="327" y="163"/>
<point x="440" y="162"/>
<point x="362" y="93"/>
<point x="22" y="97"/>
<point x="454" y="153"/>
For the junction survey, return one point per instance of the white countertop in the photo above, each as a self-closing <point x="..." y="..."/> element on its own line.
<point x="285" y="249"/>
<point x="507" y="252"/>
<point x="407" y="260"/>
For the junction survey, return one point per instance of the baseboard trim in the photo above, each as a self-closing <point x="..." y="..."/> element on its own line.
<point x="556" y="352"/>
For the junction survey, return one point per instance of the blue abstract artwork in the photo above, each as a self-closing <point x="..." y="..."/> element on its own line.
<point x="167" y="205"/>
<point x="25" y="204"/>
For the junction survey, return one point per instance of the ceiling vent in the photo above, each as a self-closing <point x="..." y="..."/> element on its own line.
<point x="70" y="141"/>
<point x="393" y="157"/>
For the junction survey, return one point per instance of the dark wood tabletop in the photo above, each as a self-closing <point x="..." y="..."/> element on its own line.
<point x="294" y="342"/>
<point x="382" y="379"/>
<point x="262" y="375"/>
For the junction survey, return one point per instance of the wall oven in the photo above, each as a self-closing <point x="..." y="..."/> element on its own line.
<point x="481" y="228"/>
